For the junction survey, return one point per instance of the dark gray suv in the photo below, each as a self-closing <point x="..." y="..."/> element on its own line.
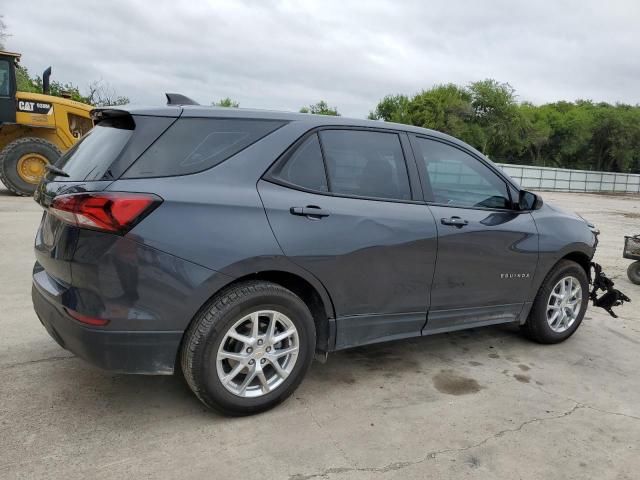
<point x="234" y="244"/>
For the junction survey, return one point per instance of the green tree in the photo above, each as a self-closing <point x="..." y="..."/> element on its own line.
<point x="535" y="132"/>
<point x="58" y="89"/>
<point x="226" y="102"/>
<point x="571" y="127"/>
<point x="99" y="93"/>
<point x="24" y="81"/>
<point x="486" y="114"/>
<point x="616" y="137"/>
<point x="392" y="108"/>
<point x="320" y="108"/>
<point x="446" y="108"/>
<point x="496" y="113"/>
<point x="68" y="90"/>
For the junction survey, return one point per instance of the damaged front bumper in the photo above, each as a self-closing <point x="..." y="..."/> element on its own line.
<point x="611" y="297"/>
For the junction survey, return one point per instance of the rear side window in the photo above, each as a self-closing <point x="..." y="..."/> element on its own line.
<point x="91" y="157"/>
<point x="192" y="145"/>
<point x="305" y="168"/>
<point x="366" y="164"/>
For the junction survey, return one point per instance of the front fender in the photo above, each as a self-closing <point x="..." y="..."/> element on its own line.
<point x="560" y="234"/>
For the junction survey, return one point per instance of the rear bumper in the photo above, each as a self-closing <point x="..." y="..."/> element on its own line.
<point x="142" y="352"/>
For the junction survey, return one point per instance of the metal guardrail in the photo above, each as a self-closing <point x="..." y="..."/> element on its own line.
<point x="566" y="180"/>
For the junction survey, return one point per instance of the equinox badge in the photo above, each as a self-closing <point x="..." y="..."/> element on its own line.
<point x="515" y="275"/>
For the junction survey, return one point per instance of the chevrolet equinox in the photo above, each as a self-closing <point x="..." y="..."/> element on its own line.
<point x="234" y="245"/>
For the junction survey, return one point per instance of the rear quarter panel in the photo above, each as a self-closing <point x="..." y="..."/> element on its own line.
<point x="216" y="218"/>
<point x="135" y="286"/>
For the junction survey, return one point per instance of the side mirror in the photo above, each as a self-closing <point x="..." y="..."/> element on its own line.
<point x="529" y="201"/>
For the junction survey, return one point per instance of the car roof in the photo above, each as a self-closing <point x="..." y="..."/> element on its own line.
<point x="202" y="111"/>
<point x="319" y="120"/>
<point x="310" y="120"/>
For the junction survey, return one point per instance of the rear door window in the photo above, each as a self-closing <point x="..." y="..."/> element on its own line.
<point x="192" y="145"/>
<point x="365" y="164"/>
<point x="305" y="167"/>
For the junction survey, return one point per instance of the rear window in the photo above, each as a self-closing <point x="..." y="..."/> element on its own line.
<point x="92" y="156"/>
<point x="192" y="145"/>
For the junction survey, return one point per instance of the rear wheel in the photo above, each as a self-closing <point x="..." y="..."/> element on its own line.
<point x="249" y="348"/>
<point x="633" y="272"/>
<point x="23" y="162"/>
<point x="560" y="305"/>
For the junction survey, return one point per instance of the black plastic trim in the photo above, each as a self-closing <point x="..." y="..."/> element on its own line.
<point x="356" y="330"/>
<point x="141" y="352"/>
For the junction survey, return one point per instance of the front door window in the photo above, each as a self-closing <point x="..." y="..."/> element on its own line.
<point x="459" y="180"/>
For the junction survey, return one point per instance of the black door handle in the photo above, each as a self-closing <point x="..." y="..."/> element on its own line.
<point x="454" y="221"/>
<point x="310" y="211"/>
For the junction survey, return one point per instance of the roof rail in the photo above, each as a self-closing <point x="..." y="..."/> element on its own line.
<point x="179" y="99"/>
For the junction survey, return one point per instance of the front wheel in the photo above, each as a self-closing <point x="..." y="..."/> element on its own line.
<point x="560" y="304"/>
<point x="249" y="348"/>
<point x="633" y="272"/>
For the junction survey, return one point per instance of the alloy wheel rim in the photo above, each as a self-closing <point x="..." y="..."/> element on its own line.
<point x="563" y="306"/>
<point x="257" y="354"/>
<point x="31" y="167"/>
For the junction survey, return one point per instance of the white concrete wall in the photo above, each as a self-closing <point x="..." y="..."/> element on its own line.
<point x="566" y="180"/>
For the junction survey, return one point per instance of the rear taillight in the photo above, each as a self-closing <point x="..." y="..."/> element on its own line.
<point x="108" y="212"/>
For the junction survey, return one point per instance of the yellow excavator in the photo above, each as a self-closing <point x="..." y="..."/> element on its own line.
<point x="34" y="128"/>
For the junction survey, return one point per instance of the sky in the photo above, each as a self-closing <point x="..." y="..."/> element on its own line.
<point x="286" y="54"/>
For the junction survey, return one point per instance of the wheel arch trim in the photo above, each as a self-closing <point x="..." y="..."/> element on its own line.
<point x="301" y="283"/>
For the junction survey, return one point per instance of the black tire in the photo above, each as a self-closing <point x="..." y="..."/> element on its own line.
<point x="633" y="272"/>
<point x="209" y="328"/>
<point x="10" y="155"/>
<point x="536" y="327"/>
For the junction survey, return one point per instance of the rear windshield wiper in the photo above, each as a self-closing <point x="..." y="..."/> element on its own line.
<point x="56" y="170"/>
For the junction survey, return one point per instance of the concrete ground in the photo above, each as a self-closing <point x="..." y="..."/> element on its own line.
<point x="483" y="403"/>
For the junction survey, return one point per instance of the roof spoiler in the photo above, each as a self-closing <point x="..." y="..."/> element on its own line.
<point x="101" y="113"/>
<point x="179" y="99"/>
<point x="118" y="118"/>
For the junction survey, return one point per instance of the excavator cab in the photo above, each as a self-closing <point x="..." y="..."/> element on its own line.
<point x="35" y="128"/>
<point x="8" y="86"/>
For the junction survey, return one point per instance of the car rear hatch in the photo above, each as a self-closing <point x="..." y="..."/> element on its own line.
<point x="90" y="166"/>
